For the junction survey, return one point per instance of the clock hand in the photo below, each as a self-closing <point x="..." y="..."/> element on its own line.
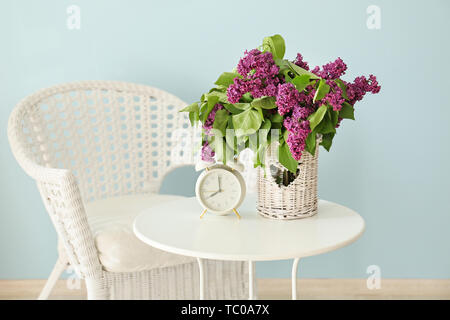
<point x="213" y="194"/>
<point x="218" y="180"/>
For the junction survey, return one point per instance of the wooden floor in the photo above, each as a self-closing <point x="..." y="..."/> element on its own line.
<point x="271" y="289"/>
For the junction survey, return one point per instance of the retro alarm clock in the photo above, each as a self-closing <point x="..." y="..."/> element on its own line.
<point x="220" y="189"/>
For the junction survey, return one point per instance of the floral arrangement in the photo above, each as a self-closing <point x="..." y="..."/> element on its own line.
<point x="267" y="92"/>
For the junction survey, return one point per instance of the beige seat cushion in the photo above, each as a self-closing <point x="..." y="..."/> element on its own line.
<point x="111" y="221"/>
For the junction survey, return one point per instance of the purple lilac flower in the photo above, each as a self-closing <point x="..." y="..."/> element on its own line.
<point x="207" y="153"/>
<point x="236" y="90"/>
<point x="259" y="76"/>
<point x="331" y="70"/>
<point x="287" y="98"/>
<point x="298" y="132"/>
<point x="302" y="112"/>
<point x="360" y="86"/>
<point x="310" y="97"/>
<point x="256" y="64"/>
<point x="334" y="97"/>
<point x="207" y="126"/>
<point x="299" y="62"/>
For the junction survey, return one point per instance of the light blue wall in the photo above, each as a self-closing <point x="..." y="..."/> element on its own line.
<point x="391" y="165"/>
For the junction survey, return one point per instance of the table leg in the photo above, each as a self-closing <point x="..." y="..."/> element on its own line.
<point x="294" y="278"/>
<point x="251" y="281"/>
<point x="202" y="278"/>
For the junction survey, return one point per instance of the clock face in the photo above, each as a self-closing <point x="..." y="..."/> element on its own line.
<point x="219" y="190"/>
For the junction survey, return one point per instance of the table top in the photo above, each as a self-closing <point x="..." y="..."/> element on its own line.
<point x="176" y="227"/>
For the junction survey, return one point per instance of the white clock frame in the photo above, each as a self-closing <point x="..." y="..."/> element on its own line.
<point x="210" y="170"/>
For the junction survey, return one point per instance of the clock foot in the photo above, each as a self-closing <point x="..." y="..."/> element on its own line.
<point x="236" y="213"/>
<point x="203" y="213"/>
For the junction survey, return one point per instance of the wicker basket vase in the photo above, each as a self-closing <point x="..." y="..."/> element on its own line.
<point x="295" y="201"/>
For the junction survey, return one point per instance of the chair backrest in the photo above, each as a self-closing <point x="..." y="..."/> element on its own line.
<point x="115" y="138"/>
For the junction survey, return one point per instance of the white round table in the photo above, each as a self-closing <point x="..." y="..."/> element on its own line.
<point x="176" y="227"/>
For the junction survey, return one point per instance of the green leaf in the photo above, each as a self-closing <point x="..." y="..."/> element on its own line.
<point x="277" y="118"/>
<point x="264" y="103"/>
<point x="228" y="152"/>
<point x="281" y="63"/>
<point x="253" y="143"/>
<point x="311" y="143"/>
<point x="334" y="116"/>
<point x="266" y="125"/>
<point x="260" y="113"/>
<point x="221" y="120"/>
<point x="347" y="111"/>
<point x="301" y="82"/>
<point x="226" y="78"/>
<point x="190" y="108"/>
<point x="242" y="106"/>
<point x="317" y="117"/>
<point x="193" y="117"/>
<point x="275" y="44"/>
<point x="230" y="123"/>
<point x="232" y="108"/>
<point x="203" y="107"/>
<point x="277" y="125"/>
<point x="241" y="140"/>
<point x="322" y="90"/>
<point x="217" y="89"/>
<point x="284" y="136"/>
<point x="212" y="100"/>
<point x="246" y="122"/>
<point x="260" y="154"/>
<point x="219" y="94"/>
<point x="342" y="86"/>
<point x="222" y="150"/>
<point x="286" y="159"/>
<point x="327" y="140"/>
<point x="326" y="125"/>
<point x="299" y="71"/>
<point x="247" y="97"/>
<point x="230" y="139"/>
<point x="288" y="74"/>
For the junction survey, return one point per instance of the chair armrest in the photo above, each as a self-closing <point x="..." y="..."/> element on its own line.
<point x="62" y="199"/>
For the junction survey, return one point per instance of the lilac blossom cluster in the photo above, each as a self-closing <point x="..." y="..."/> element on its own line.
<point x="301" y="105"/>
<point x="289" y="99"/>
<point x="259" y="76"/>
<point x="299" y="61"/>
<point x="360" y="86"/>
<point x="331" y="70"/>
<point x="334" y="97"/>
<point x="207" y="153"/>
<point x="298" y="132"/>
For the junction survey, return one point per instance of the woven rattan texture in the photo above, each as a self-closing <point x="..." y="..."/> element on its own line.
<point x="298" y="199"/>
<point x="89" y="140"/>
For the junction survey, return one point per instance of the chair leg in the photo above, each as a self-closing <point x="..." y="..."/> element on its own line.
<point x="60" y="266"/>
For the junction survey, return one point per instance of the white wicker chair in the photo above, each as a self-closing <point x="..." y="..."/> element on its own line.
<point x="93" y="140"/>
